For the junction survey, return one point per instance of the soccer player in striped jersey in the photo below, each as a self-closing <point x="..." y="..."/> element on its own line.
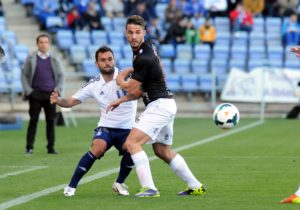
<point x="113" y="127"/>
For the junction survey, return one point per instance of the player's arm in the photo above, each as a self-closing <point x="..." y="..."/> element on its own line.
<point x="296" y="51"/>
<point x="63" y="102"/>
<point x="131" y="86"/>
<point x="116" y="103"/>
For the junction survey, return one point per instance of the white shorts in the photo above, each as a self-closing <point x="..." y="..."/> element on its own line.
<point x="157" y="121"/>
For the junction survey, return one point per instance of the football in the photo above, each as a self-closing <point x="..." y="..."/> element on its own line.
<point x="226" y="116"/>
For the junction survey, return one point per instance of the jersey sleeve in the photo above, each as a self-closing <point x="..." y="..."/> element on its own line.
<point x="84" y="93"/>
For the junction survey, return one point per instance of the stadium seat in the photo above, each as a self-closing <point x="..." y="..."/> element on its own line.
<point x="240" y="38"/>
<point x="77" y="54"/>
<point x="224" y="38"/>
<point x="275" y="52"/>
<point x="54" y="23"/>
<point x="127" y="52"/>
<point x="89" y="68"/>
<point x="273" y="39"/>
<point x="219" y="66"/>
<point x="292" y="64"/>
<point x="9" y="37"/>
<point x="107" y="23"/>
<point x="119" y="24"/>
<point x="160" y="10"/>
<point x="257" y="38"/>
<point x="99" y="37"/>
<point x="222" y="24"/>
<point x="116" y="38"/>
<point x="190" y="83"/>
<point x="4" y="86"/>
<point x="182" y="66"/>
<point x="64" y="39"/>
<point x="167" y="65"/>
<point x="254" y="63"/>
<point x="258" y="25"/>
<point x="199" y="66"/>
<point x="205" y="83"/>
<point x="202" y="52"/>
<point x="239" y="52"/>
<point x="273" y="25"/>
<point x="82" y="38"/>
<point x="237" y="63"/>
<point x="91" y="50"/>
<point x="117" y="49"/>
<point x="257" y="52"/>
<point x="167" y="51"/>
<point x="174" y="82"/>
<point x="21" y="52"/>
<point x="124" y="63"/>
<point x="184" y="51"/>
<point x="220" y="81"/>
<point x="276" y="63"/>
<point x="197" y="21"/>
<point x="221" y="52"/>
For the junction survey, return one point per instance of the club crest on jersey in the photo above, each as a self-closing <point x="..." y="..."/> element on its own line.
<point x="101" y="93"/>
<point x="141" y="51"/>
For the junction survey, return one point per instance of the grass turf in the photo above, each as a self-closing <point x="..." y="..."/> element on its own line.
<point x="252" y="169"/>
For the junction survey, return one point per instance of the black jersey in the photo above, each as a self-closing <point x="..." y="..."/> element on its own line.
<point x="148" y="71"/>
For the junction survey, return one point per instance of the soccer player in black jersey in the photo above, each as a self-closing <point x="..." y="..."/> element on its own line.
<point x="155" y="124"/>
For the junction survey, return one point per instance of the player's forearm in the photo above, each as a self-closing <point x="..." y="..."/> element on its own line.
<point x="121" y="78"/>
<point x="67" y="102"/>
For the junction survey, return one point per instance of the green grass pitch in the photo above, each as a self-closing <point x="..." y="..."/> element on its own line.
<point x="248" y="170"/>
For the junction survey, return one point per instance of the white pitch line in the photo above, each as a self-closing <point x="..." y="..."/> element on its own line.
<point x="33" y="168"/>
<point x="27" y="198"/>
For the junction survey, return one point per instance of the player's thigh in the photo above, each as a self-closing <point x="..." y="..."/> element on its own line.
<point x="157" y="115"/>
<point x="136" y="138"/>
<point x="102" y="141"/>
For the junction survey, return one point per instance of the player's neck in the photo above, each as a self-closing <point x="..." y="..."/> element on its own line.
<point x="107" y="78"/>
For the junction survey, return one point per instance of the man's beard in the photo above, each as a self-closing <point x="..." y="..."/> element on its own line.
<point x="110" y="72"/>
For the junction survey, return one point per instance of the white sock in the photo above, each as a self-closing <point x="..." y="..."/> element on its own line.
<point x="298" y="192"/>
<point x="179" y="166"/>
<point x="143" y="171"/>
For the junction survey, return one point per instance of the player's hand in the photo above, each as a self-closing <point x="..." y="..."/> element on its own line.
<point x="54" y="97"/>
<point x="296" y="51"/>
<point x="113" y="105"/>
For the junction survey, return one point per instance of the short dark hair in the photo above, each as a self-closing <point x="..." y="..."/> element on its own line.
<point x="103" y="49"/>
<point x="136" y="20"/>
<point x="42" y="35"/>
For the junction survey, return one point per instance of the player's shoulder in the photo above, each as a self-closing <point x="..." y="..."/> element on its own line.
<point x="93" y="81"/>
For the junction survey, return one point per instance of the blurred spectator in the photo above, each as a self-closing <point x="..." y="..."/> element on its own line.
<point x="65" y="6"/>
<point x="291" y="31"/>
<point x="199" y="10"/>
<point x="81" y="5"/>
<point x="114" y="8"/>
<point x="150" y="5"/>
<point x="154" y="33"/>
<point x="176" y="32"/>
<point x="216" y="7"/>
<point x="74" y="20"/>
<point x="142" y="11"/>
<point x="171" y="13"/>
<point x="207" y="33"/>
<point x="191" y="34"/>
<point x="92" y="17"/>
<point x="271" y="8"/>
<point x="241" y="19"/>
<point x="1" y="9"/>
<point x="44" y="9"/>
<point x="232" y="5"/>
<point x="255" y="7"/>
<point x="187" y="8"/>
<point x="129" y="5"/>
<point x="287" y="7"/>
